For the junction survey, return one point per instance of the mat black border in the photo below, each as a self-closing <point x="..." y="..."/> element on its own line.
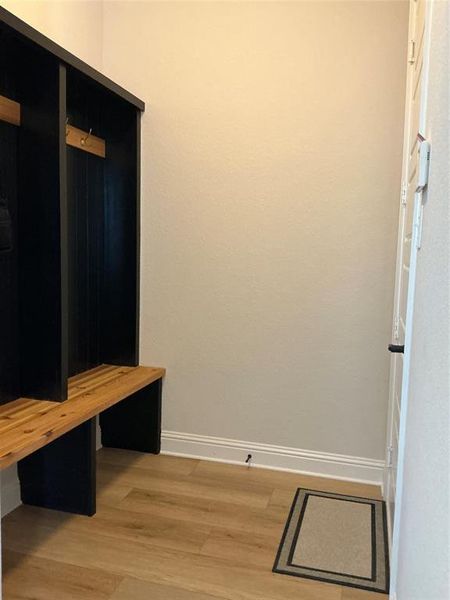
<point x="276" y="569"/>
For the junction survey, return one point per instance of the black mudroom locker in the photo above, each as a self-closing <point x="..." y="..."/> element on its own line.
<point x="69" y="217"/>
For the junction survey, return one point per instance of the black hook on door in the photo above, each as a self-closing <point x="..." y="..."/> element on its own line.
<point x="396" y="349"/>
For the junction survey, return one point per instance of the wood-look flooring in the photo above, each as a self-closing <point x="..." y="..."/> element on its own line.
<point x="166" y="529"/>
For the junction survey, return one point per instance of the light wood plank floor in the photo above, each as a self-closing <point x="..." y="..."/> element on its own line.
<point x="166" y="529"/>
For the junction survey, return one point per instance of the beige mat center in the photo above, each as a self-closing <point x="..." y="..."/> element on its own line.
<point x="336" y="536"/>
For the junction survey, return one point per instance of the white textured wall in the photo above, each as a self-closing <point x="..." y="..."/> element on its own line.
<point x="77" y="25"/>
<point x="271" y="172"/>
<point x="425" y="527"/>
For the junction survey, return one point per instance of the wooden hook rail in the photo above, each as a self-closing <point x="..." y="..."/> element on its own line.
<point x="9" y="111"/>
<point x="83" y="140"/>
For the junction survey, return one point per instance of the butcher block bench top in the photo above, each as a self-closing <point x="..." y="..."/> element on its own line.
<point x="27" y="425"/>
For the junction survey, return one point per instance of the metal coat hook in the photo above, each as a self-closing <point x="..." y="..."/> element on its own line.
<point x="77" y="138"/>
<point x="84" y="140"/>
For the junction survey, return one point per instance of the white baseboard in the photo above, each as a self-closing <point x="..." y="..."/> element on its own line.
<point x="281" y="458"/>
<point x="10" y="490"/>
<point x="322" y="464"/>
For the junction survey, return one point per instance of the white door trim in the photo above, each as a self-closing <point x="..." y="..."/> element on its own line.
<point x="396" y="299"/>
<point x="418" y="203"/>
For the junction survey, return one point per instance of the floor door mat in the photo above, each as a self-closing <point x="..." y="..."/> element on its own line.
<point x="336" y="539"/>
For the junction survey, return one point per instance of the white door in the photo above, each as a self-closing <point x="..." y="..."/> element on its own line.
<point x="415" y="160"/>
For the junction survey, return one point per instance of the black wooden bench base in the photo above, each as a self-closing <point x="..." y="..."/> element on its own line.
<point x="62" y="475"/>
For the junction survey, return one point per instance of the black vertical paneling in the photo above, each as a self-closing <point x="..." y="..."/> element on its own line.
<point x="86" y="175"/>
<point x="137" y="266"/>
<point x="95" y="196"/>
<point x="121" y="240"/>
<point x="9" y="315"/>
<point x="85" y="201"/>
<point x="103" y="231"/>
<point x="64" y="230"/>
<point x="77" y="243"/>
<point x="9" y="318"/>
<point x="40" y="259"/>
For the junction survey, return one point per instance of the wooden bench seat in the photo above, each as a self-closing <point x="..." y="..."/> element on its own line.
<point x="26" y="425"/>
